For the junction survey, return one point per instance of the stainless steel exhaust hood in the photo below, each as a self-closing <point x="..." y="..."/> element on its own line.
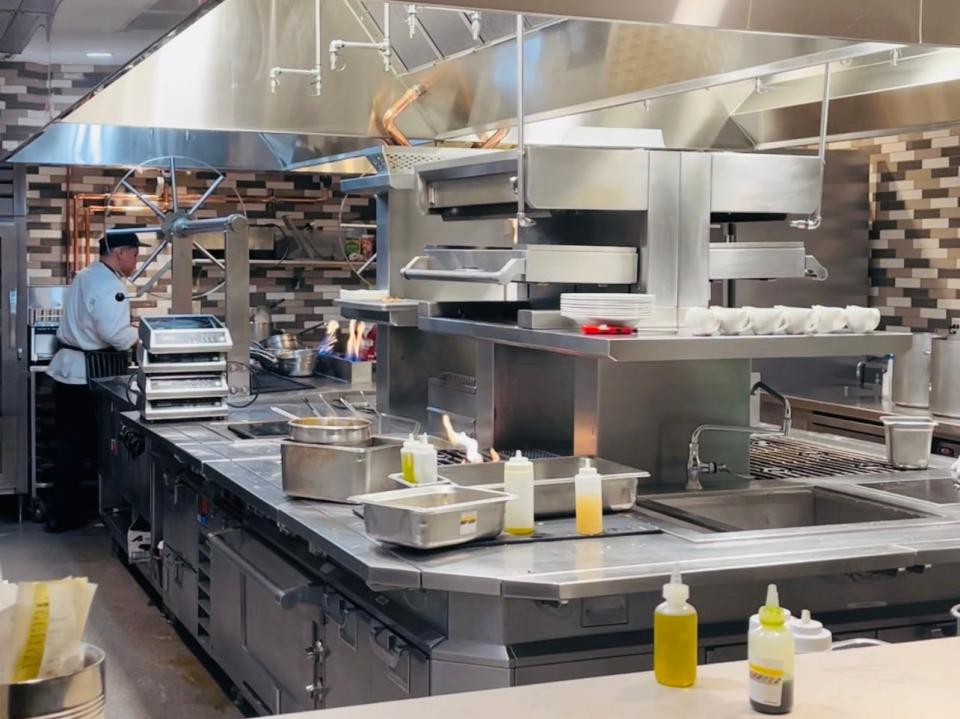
<point x="707" y="76"/>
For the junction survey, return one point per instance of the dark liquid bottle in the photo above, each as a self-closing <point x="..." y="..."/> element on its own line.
<point x="786" y="701"/>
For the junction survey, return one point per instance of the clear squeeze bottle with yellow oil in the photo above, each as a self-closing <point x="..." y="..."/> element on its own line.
<point x="675" y="636"/>
<point x="589" y="500"/>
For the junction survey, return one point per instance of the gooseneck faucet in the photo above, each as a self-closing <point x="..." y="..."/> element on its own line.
<point x="696" y="467"/>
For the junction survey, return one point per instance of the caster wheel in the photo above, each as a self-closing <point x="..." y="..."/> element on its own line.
<point x="38" y="511"/>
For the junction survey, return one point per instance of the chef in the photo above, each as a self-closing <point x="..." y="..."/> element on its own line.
<point x="96" y="316"/>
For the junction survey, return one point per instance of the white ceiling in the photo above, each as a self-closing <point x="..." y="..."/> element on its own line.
<point x="121" y="27"/>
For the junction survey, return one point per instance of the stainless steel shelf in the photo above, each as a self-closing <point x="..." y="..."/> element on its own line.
<point x="319" y="264"/>
<point x="394" y="314"/>
<point x="660" y="347"/>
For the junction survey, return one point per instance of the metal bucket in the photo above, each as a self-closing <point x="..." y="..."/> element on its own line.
<point x="908" y="441"/>
<point x="80" y="695"/>
<point x="911" y="373"/>
<point x="945" y="377"/>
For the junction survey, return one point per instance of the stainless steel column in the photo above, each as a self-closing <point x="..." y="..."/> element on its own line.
<point x="659" y="264"/>
<point x="237" y="302"/>
<point x="181" y="275"/>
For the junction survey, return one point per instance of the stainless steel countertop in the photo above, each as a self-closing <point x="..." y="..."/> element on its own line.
<point x="565" y="569"/>
<point x="844" y="403"/>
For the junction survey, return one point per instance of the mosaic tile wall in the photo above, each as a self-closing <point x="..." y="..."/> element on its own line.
<point x="306" y="292"/>
<point x="915" y="227"/>
<point x="30" y="95"/>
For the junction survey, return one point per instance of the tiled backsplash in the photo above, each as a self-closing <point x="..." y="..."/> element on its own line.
<point x="915" y="227"/>
<point x="31" y="95"/>
<point x="307" y="291"/>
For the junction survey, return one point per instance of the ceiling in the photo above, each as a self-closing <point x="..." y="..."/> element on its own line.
<point x="123" y="28"/>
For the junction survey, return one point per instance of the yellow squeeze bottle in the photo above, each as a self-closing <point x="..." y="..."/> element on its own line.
<point x="406" y="459"/>
<point x="675" y="636"/>
<point x="589" y="500"/>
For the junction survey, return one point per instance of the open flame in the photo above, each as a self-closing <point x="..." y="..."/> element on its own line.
<point x="329" y="344"/>
<point x="355" y="340"/>
<point x="464" y="441"/>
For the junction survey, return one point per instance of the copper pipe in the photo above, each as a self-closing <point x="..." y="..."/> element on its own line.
<point x="493" y="140"/>
<point x="393" y="112"/>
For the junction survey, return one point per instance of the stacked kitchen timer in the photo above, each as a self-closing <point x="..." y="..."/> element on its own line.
<point x="618" y="309"/>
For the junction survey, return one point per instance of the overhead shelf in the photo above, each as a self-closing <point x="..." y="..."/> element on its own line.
<point x="401" y="313"/>
<point x="648" y="347"/>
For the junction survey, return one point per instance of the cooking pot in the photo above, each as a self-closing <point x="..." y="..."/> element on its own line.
<point x="283" y="341"/>
<point x="331" y="430"/>
<point x="296" y="363"/>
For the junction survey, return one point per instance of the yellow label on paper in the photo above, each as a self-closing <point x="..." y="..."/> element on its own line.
<point x="31" y="657"/>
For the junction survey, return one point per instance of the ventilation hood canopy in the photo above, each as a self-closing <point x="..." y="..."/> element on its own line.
<point x="721" y="80"/>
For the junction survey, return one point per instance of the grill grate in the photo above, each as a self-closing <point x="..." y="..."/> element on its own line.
<point x="784" y="458"/>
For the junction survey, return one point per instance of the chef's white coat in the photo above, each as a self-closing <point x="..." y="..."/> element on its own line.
<point x="92" y="320"/>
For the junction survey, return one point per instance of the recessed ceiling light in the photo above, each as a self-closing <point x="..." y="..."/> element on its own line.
<point x="99" y="54"/>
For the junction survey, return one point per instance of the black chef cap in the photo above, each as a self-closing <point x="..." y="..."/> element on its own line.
<point x="119" y="239"/>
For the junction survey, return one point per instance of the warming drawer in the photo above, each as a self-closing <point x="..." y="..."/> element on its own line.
<point x="538" y="264"/>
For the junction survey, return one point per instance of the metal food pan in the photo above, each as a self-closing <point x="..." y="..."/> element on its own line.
<point x="553" y="485"/>
<point x="438" y="515"/>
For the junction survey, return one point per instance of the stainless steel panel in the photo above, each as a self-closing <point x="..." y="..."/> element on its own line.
<point x="580" y="264"/>
<point x="696" y="182"/>
<point x="911" y="372"/>
<point x="13" y="354"/>
<point x="888" y="20"/>
<point x="757" y="260"/>
<point x="609" y="421"/>
<point x="604" y="179"/>
<point x="765" y="183"/>
<point x="639" y="661"/>
<point x="659" y="264"/>
<point x="180" y="588"/>
<point x="945" y="376"/>
<point x="938" y="491"/>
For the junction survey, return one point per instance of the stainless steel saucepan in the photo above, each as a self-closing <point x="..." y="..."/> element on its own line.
<point x="348" y="431"/>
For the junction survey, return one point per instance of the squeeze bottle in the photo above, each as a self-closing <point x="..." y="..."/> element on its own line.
<point x="770" y="652"/>
<point x="406" y="459"/>
<point x="424" y="462"/>
<point x="675" y="636"/>
<point x="589" y="500"/>
<point x="518" y="481"/>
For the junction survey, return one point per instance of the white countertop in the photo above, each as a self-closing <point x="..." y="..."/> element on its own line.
<point x="916" y="680"/>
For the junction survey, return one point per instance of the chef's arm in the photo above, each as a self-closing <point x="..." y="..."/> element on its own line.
<point x="113" y="324"/>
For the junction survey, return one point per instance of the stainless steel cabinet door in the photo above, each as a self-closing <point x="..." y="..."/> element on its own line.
<point x="180" y="588"/>
<point x="398" y="670"/>
<point x="266" y="626"/>
<point x="180" y="504"/>
<point x="13" y="365"/>
<point x="345" y="668"/>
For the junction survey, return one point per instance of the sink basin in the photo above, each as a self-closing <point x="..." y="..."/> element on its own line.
<point x="938" y="491"/>
<point x="755" y="509"/>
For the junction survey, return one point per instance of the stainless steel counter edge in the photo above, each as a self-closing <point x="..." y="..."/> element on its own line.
<point x="659" y="347"/>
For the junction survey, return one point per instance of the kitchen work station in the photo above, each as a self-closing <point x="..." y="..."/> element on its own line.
<point x="414" y="356"/>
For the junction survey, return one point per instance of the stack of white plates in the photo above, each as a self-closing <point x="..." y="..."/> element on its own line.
<point x="628" y="310"/>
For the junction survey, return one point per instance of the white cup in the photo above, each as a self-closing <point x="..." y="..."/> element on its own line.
<point x="733" y="320"/>
<point x="828" y="319"/>
<point x="702" y="321"/>
<point x="797" y="320"/>
<point x="862" y="319"/>
<point x="766" y="320"/>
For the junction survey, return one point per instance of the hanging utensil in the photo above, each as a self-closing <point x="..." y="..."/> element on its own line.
<point x="284" y="413"/>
